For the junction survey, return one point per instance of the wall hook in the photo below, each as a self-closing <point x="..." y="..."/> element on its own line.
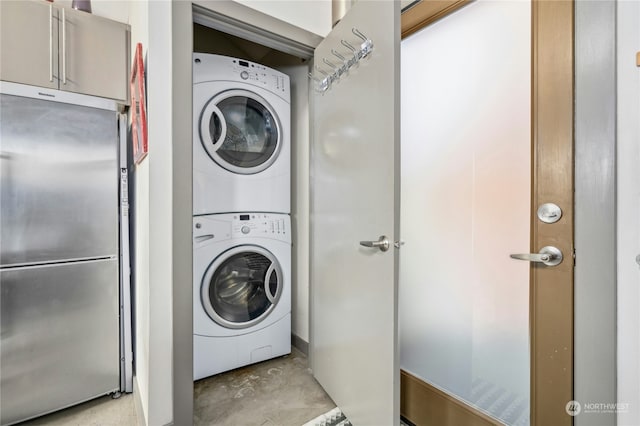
<point x="329" y="63"/>
<point x="338" y="55"/>
<point x="314" y="78"/>
<point x="337" y="72"/>
<point x="357" y="32"/>
<point x="321" y="71"/>
<point x="348" y="45"/>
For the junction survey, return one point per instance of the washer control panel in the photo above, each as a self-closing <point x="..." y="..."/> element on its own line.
<point x="261" y="225"/>
<point x="211" y="229"/>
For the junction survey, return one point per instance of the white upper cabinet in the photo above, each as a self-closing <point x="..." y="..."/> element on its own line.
<point x="46" y="45"/>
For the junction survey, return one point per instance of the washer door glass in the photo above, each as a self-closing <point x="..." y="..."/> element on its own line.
<point x="240" y="132"/>
<point x="242" y="287"/>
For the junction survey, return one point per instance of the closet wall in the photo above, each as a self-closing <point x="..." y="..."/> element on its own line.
<point x="628" y="212"/>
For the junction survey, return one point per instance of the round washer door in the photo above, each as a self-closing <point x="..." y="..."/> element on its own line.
<point x="242" y="286"/>
<point x="240" y="131"/>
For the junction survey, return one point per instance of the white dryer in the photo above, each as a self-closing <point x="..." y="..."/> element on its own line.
<point x="241" y="290"/>
<point x="241" y="136"/>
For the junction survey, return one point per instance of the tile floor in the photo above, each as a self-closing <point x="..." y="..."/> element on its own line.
<point x="278" y="392"/>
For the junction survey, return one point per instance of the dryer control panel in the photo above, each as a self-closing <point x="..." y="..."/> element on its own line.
<point x="261" y="75"/>
<point x="208" y="67"/>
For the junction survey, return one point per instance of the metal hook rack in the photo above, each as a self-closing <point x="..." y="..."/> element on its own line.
<point x="324" y="82"/>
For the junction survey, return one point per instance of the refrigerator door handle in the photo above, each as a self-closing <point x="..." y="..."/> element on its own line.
<point x="50" y="43"/>
<point x="64" y="48"/>
<point x="126" y="345"/>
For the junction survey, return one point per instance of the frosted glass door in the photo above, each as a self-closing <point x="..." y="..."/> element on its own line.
<point x="466" y="190"/>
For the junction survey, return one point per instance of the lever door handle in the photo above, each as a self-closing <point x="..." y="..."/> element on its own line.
<point x="382" y="243"/>
<point x="549" y="255"/>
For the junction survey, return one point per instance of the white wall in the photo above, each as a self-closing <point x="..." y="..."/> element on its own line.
<point x="159" y="98"/>
<point x="139" y="21"/>
<point x="594" y="360"/>
<point x="150" y="25"/>
<point x="300" y="198"/>
<point x="311" y="15"/>
<point x="628" y="212"/>
<point x="154" y="208"/>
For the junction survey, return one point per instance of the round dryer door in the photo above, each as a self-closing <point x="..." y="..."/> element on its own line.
<point x="240" y="132"/>
<point x="242" y="286"/>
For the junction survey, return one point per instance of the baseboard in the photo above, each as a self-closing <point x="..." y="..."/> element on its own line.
<point x="425" y="405"/>
<point x="140" y="418"/>
<point x="298" y="343"/>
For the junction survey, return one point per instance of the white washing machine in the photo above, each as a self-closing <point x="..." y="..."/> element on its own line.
<point x="241" y="290"/>
<point x="241" y="137"/>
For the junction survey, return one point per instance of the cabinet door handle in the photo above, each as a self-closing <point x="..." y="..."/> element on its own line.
<point x="64" y="49"/>
<point x="50" y="43"/>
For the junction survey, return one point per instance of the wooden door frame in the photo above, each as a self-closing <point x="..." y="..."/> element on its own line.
<point x="551" y="290"/>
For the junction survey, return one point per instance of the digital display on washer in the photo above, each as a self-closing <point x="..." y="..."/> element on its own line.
<point x="243" y="63"/>
<point x="244" y="217"/>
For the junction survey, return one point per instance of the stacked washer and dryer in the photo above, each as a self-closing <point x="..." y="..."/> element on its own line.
<point x="241" y="207"/>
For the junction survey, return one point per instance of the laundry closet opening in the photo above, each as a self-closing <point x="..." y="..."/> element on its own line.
<point x="210" y="41"/>
<point x="250" y="122"/>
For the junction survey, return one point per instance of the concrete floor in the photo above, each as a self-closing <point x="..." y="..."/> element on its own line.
<point x="278" y="392"/>
<point x="103" y="411"/>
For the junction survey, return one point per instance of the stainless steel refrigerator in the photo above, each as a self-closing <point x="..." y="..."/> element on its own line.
<point x="60" y="267"/>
